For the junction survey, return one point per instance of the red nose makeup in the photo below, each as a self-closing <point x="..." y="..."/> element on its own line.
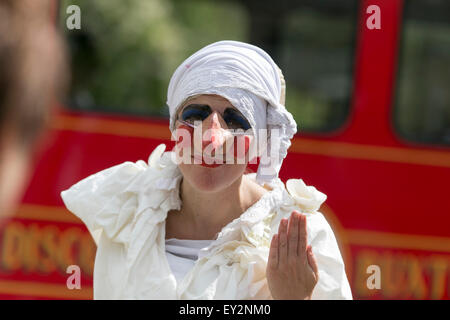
<point x="214" y="138"/>
<point x="215" y="134"/>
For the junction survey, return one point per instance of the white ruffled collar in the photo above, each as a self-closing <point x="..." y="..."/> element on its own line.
<point x="157" y="188"/>
<point x="168" y="175"/>
<point x="164" y="176"/>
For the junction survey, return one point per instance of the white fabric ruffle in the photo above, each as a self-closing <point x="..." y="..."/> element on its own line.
<point x="125" y="207"/>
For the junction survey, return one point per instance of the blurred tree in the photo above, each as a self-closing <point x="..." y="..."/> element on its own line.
<point x="126" y="51"/>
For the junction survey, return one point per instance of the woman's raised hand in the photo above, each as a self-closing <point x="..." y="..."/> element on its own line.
<point x="292" y="271"/>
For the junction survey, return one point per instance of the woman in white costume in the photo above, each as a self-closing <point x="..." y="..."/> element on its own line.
<point x="170" y="229"/>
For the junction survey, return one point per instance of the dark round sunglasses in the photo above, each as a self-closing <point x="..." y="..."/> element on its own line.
<point x="199" y="112"/>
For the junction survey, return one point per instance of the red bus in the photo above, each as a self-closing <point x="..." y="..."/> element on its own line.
<point x="373" y="109"/>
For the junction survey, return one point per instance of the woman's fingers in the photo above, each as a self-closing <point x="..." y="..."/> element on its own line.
<point x="293" y="235"/>
<point x="303" y="238"/>
<point x="273" y="253"/>
<point x="292" y="240"/>
<point x="283" y="246"/>
<point x="312" y="261"/>
<point x="292" y="266"/>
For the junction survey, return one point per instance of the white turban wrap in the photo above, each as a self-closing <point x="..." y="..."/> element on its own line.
<point x="246" y="76"/>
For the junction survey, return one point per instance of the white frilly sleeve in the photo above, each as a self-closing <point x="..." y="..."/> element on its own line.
<point x="102" y="203"/>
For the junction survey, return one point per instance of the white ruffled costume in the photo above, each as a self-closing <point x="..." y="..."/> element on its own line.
<point x="125" y="207"/>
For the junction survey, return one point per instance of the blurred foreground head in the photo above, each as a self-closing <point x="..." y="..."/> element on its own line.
<point x="32" y="75"/>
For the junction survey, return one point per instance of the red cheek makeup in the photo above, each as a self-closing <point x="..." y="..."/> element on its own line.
<point x="184" y="140"/>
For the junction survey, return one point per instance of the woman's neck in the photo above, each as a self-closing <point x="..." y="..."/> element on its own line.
<point x="203" y="214"/>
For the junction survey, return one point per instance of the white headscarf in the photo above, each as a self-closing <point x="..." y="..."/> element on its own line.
<point x="247" y="77"/>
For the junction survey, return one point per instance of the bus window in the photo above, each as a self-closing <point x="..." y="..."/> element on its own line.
<point x="126" y="51"/>
<point x="317" y="48"/>
<point x="422" y="111"/>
